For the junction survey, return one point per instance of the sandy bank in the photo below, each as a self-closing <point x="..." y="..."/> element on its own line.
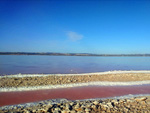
<point x="28" y="88"/>
<point x="53" y="81"/>
<point x="50" y="81"/>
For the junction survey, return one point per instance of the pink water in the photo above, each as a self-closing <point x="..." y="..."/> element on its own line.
<point x="11" y="98"/>
<point x="14" y="64"/>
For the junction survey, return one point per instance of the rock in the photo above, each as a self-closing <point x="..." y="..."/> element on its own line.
<point x="103" y="102"/>
<point x="56" y="111"/>
<point x="96" y="102"/>
<point x="79" y="109"/>
<point x="109" y="105"/>
<point x="26" y="111"/>
<point x="121" y="101"/>
<point x="75" y="80"/>
<point x="104" y="107"/>
<point x="83" y="106"/>
<point x="42" y="111"/>
<point x="108" y="110"/>
<point x="87" y="109"/>
<point x="128" y="106"/>
<point x="64" y="111"/>
<point x="125" y="110"/>
<point x="73" y="111"/>
<point x="88" y="105"/>
<point x="77" y="106"/>
<point x="93" y="107"/>
<point x="87" y="112"/>
<point x="135" y="105"/>
<point x="114" y="102"/>
<point x="71" y="103"/>
<point x="67" y="106"/>
<point x="141" y="99"/>
<point x="34" y="110"/>
<point x="69" y="81"/>
<point x="79" y="112"/>
<point x="62" y="107"/>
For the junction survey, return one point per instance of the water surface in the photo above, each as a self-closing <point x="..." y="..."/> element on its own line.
<point x="14" y="64"/>
<point x="76" y="93"/>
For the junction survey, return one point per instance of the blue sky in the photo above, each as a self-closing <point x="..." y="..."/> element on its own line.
<point x="75" y="26"/>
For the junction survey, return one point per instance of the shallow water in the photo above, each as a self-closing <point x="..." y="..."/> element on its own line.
<point x="88" y="92"/>
<point x="14" y="64"/>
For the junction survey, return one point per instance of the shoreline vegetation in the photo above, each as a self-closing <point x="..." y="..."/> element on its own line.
<point x="71" y="54"/>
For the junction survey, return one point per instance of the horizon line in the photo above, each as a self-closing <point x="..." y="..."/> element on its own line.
<point x="70" y="54"/>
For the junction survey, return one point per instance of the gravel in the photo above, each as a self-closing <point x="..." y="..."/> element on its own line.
<point x="125" y="105"/>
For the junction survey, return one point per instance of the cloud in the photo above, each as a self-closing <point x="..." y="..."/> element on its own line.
<point x="73" y="36"/>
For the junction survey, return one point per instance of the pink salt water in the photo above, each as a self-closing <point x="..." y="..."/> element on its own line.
<point x="11" y="98"/>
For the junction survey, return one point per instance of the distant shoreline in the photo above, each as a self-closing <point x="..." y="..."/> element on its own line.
<point x="72" y="54"/>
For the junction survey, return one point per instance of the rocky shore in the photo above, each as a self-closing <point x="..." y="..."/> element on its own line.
<point x="111" y="105"/>
<point x="126" y="105"/>
<point x="70" y="79"/>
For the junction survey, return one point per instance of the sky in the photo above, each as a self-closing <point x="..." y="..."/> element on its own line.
<point x="75" y="26"/>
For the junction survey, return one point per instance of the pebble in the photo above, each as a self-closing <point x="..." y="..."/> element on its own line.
<point x="109" y="105"/>
<point x="64" y="111"/>
<point x="95" y="102"/>
<point x="77" y="106"/>
<point x="140" y="104"/>
<point x="73" y="111"/>
<point x="141" y="99"/>
<point x="67" y="106"/>
<point x="71" y="103"/>
<point x="88" y="105"/>
<point x="87" y="109"/>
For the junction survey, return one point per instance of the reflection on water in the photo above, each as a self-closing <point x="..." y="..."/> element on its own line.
<point x="13" y="64"/>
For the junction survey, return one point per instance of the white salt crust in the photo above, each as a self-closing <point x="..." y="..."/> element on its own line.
<point x="99" y="83"/>
<point x="96" y="73"/>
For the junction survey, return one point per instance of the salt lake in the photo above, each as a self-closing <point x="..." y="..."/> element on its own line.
<point x="14" y="64"/>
